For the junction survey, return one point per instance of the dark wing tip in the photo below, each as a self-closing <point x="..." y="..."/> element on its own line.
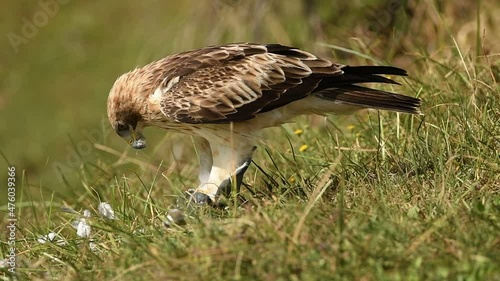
<point x="370" y="70"/>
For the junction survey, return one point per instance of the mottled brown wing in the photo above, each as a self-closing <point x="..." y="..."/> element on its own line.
<point x="234" y="82"/>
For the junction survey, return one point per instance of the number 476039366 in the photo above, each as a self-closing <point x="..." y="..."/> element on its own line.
<point x="11" y="191"/>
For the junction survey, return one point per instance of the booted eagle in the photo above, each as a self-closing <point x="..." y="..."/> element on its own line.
<point x="224" y="95"/>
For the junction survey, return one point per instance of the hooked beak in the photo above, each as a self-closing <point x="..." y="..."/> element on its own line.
<point x="138" y="141"/>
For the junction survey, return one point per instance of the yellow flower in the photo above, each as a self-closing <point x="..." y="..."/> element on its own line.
<point x="298" y="132"/>
<point x="350" y="127"/>
<point x="303" y="147"/>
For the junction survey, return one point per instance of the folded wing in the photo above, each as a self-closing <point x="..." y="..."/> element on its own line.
<point x="235" y="82"/>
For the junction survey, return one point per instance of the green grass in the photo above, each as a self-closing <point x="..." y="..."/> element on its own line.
<point x="375" y="196"/>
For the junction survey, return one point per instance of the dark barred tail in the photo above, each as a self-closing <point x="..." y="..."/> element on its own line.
<point x="342" y="88"/>
<point x="371" y="98"/>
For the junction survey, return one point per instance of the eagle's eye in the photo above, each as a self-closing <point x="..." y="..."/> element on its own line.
<point x="122" y="129"/>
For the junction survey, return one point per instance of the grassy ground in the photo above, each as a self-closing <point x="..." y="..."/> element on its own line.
<point x="375" y="196"/>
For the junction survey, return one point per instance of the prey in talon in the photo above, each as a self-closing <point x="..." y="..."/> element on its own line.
<point x="225" y="95"/>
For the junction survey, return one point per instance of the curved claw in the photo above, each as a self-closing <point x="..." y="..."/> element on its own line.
<point x="226" y="185"/>
<point x="198" y="197"/>
<point x="201" y="198"/>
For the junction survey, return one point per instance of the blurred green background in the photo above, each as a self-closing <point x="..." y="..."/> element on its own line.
<point x="58" y="60"/>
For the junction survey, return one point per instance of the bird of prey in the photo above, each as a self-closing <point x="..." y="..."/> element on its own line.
<point x="224" y="95"/>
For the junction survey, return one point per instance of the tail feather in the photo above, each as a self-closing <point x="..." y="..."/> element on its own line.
<point x="349" y="79"/>
<point x="344" y="88"/>
<point x="367" y="69"/>
<point x="371" y="98"/>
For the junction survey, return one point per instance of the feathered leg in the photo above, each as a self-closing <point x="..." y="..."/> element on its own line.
<point x="205" y="158"/>
<point x="229" y="166"/>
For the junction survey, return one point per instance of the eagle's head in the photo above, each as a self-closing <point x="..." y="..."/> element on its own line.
<point x="127" y="105"/>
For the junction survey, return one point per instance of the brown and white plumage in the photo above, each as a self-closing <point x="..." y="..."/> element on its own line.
<point x="224" y="95"/>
